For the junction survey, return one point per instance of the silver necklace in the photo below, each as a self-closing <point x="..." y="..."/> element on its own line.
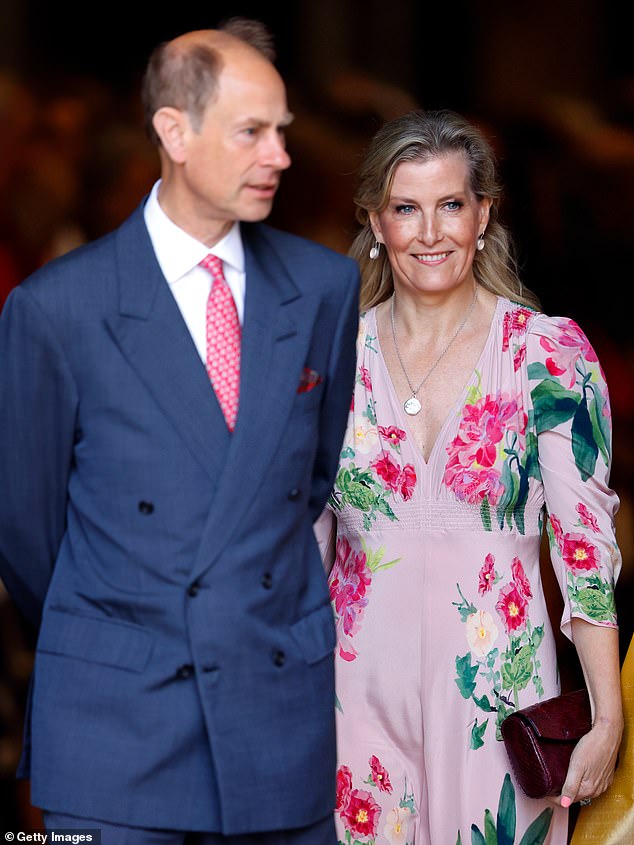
<point x="412" y="405"/>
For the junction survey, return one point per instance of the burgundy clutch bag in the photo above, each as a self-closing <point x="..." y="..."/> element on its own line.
<point x="540" y="739"/>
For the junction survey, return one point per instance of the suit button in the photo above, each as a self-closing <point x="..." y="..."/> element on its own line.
<point x="294" y="494"/>
<point x="185" y="671"/>
<point x="193" y="589"/>
<point x="267" y="580"/>
<point x="279" y="658"/>
<point x="146" y="507"/>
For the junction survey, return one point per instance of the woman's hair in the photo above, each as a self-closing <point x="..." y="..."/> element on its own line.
<point x="420" y="136"/>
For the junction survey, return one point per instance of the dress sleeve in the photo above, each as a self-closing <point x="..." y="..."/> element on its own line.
<point x="572" y="419"/>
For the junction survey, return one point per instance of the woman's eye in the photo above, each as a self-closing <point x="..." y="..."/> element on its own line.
<point x="404" y="209"/>
<point x="453" y="205"/>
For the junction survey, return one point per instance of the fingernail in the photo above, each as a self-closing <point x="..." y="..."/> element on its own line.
<point x="565" y="801"/>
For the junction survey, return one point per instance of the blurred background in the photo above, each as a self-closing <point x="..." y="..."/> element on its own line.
<point x="551" y="85"/>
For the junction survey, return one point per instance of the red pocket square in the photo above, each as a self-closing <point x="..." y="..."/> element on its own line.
<point x="308" y="380"/>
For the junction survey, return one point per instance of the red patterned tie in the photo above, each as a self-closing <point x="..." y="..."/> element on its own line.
<point x="223" y="341"/>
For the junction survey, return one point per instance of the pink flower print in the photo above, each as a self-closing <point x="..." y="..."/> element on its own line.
<point x="588" y="518"/>
<point x="571" y="344"/>
<point x="557" y="529"/>
<point x="387" y="471"/>
<point x="519" y="357"/>
<point x="520" y="579"/>
<point x="344" y="785"/>
<point x="350" y="582"/>
<point x="481" y="429"/>
<point x="579" y="555"/>
<point x="361" y="813"/>
<point x="379" y="775"/>
<point x="515" y="325"/>
<point x="407" y="482"/>
<point x="392" y="434"/>
<point x="364" y="378"/>
<point x="486" y="575"/>
<point x="397" y="823"/>
<point x="472" y="485"/>
<point x="512" y="608"/>
<point x="481" y="631"/>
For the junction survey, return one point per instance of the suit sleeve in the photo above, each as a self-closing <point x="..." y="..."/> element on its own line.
<point x="38" y="405"/>
<point x="338" y="394"/>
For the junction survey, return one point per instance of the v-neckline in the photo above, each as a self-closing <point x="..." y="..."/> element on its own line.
<point x="459" y="401"/>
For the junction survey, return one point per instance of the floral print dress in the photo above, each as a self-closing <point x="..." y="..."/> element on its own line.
<point x="442" y="623"/>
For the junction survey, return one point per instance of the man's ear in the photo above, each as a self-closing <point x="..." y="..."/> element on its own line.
<point x="172" y="125"/>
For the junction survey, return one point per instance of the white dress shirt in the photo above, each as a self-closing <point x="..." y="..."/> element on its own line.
<point x="179" y="256"/>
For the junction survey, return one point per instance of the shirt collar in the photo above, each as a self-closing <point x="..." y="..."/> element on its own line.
<point x="178" y="252"/>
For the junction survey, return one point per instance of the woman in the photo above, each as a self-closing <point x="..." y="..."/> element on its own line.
<point x="475" y="419"/>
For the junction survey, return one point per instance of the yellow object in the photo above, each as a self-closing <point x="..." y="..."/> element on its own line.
<point x="609" y="820"/>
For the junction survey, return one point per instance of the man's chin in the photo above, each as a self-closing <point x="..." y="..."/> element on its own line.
<point x="256" y="211"/>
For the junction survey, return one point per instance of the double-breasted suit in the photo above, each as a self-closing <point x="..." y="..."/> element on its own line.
<point x="183" y="675"/>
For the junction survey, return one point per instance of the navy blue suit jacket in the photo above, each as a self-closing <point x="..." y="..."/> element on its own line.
<point x="184" y="666"/>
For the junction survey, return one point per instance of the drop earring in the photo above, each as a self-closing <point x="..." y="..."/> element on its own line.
<point x="480" y="242"/>
<point x="374" y="252"/>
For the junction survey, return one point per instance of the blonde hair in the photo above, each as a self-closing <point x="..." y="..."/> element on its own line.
<point x="419" y="136"/>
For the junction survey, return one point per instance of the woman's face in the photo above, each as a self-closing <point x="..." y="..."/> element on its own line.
<point x="431" y="224"/>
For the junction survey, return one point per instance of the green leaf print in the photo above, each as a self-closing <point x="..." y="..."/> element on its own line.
<point x="600" y="424"/>
<point x="370" y="412"/>
<point x="596" y="604"/>
<point x="531" y="458"/>
<point x="466" y="675"/>
<point x="485" y="515"/>
<point x="476" y="836"/>
<point x="509" y="481"/>
<point x="538" y="371"/>
<point x="483" y="703"/>
<point x="517" y="673"/>
<point x="477" y="733"/>
<point x="506" y="813"/>
<point x="373" y="558"/>
<point x="584" y="446"/>
<point x="538" y="830"/>
<point x="553" y="405"/>
<point x="490" y="833"/>
<point x="358" y="488"/>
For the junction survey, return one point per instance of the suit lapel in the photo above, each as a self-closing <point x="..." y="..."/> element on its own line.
<point x="154" y="338"/>
<point x="275" y="338"/>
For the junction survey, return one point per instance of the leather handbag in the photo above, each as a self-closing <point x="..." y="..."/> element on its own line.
<point x="540" y="739"/>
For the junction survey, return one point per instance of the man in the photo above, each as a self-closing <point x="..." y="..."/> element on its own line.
<point x="160" y="479"/>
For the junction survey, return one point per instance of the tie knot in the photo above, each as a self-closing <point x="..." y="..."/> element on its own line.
<point x="214" y="265"/>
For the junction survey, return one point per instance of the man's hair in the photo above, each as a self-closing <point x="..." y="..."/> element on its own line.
<point x="186" y="78"/>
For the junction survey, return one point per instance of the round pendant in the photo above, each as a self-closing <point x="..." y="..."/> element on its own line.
<point x="412" y="406"/>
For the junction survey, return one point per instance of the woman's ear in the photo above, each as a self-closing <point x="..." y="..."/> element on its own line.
<point x="375" y="224"/>
<point x="485" y="209"/>
<point x="171" y="125"/>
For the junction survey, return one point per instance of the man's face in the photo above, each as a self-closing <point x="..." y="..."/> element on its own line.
<point x="234" y="161"/>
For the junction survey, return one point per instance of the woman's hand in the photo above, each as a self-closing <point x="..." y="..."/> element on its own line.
<point x="592" y="763"/>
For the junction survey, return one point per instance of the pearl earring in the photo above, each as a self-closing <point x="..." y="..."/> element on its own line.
<point x="480" y="243"/>
<point x="374" y="252"/>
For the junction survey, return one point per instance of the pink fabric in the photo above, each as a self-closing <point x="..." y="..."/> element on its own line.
<point x="223" y="341"/>
<point x="441" y="617"/>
